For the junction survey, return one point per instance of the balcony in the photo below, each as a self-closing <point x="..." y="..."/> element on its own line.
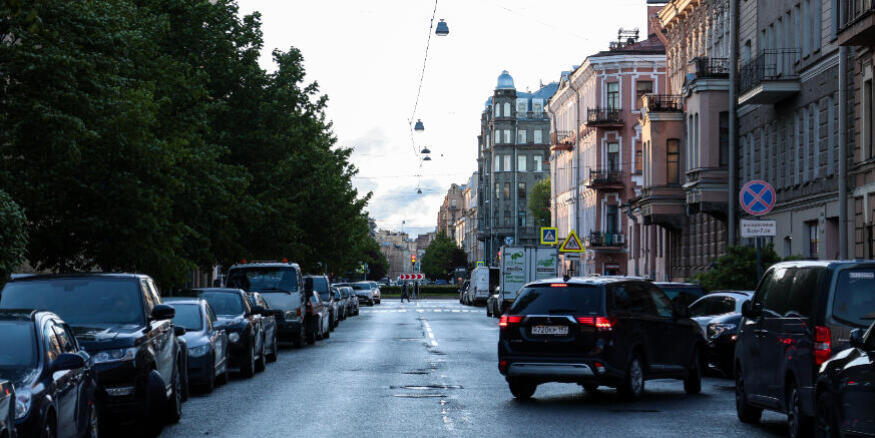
<point x="562" y="140"/>
<point x="706" y="191"/>
<point x="711" y="67"/>
<point x="605" y="179"/>
<point x="857" y="27"/>
<point x="605" y="240"/>
<point x="658" y="103"/>
<point x="531" y="115"/>
<point x="769" y="78"/>
<point x="663" y="206"/>
<point x="604" y="117"/>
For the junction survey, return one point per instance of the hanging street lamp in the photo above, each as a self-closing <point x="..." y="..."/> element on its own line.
<point x="425" y="151"/>
<point x="442" y="29"/>
<point x="419" y="126"/>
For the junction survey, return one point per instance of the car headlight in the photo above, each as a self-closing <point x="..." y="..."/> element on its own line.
<point x="290" y="314"/>
<point x="234" y="337"/>
<point x="715" y="330"/>
<point x="199" y="351"/>
<point x="22" y="403"/>
<point x="115" y="355"/>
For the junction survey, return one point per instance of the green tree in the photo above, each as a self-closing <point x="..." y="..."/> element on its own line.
<point x="539" y="203"/>
<point x="13" y="236"/>
<point x="378" y="265"/>
<point x="737" y="270"/>
<point x="442" y="257"/>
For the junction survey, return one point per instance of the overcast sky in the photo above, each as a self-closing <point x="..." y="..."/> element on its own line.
<point x="367" y="57"/>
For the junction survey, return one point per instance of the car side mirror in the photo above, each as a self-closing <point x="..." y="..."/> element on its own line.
<point x="308" y="286"/>
<point x="856" y="339"/>
<point x="751" y="310"/>
<point x="258" y="310"/>
<point x="162" y="312"/>
<point x="178" y="331"/>
<point x="681" y="310"/>
<point x="67" y="361"/>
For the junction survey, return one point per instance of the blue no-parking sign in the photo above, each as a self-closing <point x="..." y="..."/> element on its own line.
<point x="757" y="197"/>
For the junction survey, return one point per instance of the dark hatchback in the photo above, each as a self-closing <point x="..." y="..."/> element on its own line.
<point x="242" y="322"/>
<point x="53" y="378"/>
<point x="268" y="324"/>
<point x="846" y="389"/>
<point x="719" y="314"/>
<point x="611" y="331"/>
<point x="801" y="313"/>
<point x="120" y="321"/>
<point x="206" y="342"/>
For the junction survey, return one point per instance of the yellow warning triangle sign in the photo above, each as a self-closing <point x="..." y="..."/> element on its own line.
<point x="571" y="243"/>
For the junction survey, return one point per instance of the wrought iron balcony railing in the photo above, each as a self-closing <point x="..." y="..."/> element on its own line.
<point x="602" y="178"/>
<point x="711" y="67"/>
<point x="603" y="116"/>
<point x="598" y="239"/>
<point x="663" y="102"/>
<point x="770" y="65"/>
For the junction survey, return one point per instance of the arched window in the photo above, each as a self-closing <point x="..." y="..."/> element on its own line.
<point x="507" y="109"/>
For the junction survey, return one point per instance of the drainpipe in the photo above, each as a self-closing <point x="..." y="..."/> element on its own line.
<point x="843" y="153"/>
<point x="575" y="155"/>
<point x="733" y="119"/>
<point x="553" y="219"/>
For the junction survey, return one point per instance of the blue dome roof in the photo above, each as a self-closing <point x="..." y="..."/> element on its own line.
<point x="505" y="81"/>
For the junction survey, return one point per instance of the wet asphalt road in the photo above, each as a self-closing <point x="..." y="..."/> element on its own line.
<point x="429" y="369"/>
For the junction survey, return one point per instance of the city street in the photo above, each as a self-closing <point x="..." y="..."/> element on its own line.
<point x="429" y="369"/>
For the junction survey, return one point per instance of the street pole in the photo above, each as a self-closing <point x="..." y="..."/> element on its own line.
<point x="843" y="153"/>
<point x="733" y="134"/>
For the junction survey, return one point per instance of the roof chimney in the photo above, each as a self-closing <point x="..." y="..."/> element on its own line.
<point x="653" y="7"/>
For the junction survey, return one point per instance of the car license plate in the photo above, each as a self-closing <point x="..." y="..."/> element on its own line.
<point x="554" y="330"/>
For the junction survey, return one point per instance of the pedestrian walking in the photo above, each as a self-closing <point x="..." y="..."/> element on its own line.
<point x="404" y="292"/>
<point x="416" y="291"/>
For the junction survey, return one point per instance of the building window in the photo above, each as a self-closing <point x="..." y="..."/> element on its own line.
<point x="507" y="137"/>
<point x="497" y="110"/>
<point x="538" y="138"/>
<point x="724" y="138"/>
<point x="507" y="190"/>
<point x="537" y="108"/>
<point x="521" y="108"/>
<point x="521" y="136"/>
<point x="830" y="129"/>
<point x="507" y="112"/>
<point x="672" y="161"/>
<point x="642" y="88"/>
<point x="497" y="192"/>
<point x="507" y="163"/>
<point x="522" y="219"/>
<point x="696" y="162"/>
<point x="613" y="157"/>
<point x="868" y="128"/>
<point x="498" y="163"/>
<point x="811" y="227"/>
<point x="613" y="96"/>
<point x="612" y="217"/>
<point x="538" y="163"/>
<point x="521" y="190"/>
<point x="488" y="140"/>
<point x="639" y="157"/>
<point x="507" y="218"/>
<point x="745" y="55"/>
<point x="521" y="163"/>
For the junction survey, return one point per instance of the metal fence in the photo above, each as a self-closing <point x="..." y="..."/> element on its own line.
<point x="770" y="65"/>
<point x="603" y="115"/>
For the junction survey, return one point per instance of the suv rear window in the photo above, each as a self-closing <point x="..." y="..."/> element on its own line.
<point x="264" y="279"/>
<point x="855" y="296"/>
<point x="545" y="300"/>
<point x="80" y="301"/>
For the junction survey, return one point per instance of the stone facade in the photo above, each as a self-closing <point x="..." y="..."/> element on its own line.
<point x="451" y="210"/>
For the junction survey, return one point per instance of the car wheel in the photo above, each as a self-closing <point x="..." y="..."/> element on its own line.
<point x="48" y="429"/>
<point x="522" y="389"/>
<point x="632" y="387"/>
<point x="274" y="350"/>
<point x="327" y="332"/>
<point x="798" y="424"/>
<point x="311" y="335"/>
<point x="827" y="419"/>
<point x="247" y="368"/>
<point x="94" y="426"/>
<point x="693" y="381"/>
<point x="746" y="413"/>
<point x="174" y="404"/>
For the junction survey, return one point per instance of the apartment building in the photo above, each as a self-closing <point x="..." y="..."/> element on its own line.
<point x="451" y="210"/>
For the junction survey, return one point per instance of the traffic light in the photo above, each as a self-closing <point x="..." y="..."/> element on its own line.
<point x="413" y="259"/>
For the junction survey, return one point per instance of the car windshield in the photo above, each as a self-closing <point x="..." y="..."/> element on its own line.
<point x="188" y="316"/>
<point x="361" y="286"/>
<point x="855" y="296"/>
<point x="79" y="301"/>
<point x="683" y="295"/>
<point x="320" y="284"/>
<point x="264" y="279"/>
<point x="17" y="348"/>
<point x="224" y="303"/>
<point x="712" y="306"/>
<point x="546" y="300"/>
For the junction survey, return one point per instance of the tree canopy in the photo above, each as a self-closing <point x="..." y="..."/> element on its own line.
<point x="539" y="203"/>
<point x="737" y="269"/>
<point x="442" y="257"/>
<point x="142" y="135"/>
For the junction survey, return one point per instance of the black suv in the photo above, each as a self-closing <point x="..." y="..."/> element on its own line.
<point x="611" y="331"/>
<point x="282" y="286"/>
<point x="800" y="314"/>
<point x="120" y="321"/>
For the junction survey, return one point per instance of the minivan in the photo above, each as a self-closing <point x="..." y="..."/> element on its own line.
<point x="801" y="313"/>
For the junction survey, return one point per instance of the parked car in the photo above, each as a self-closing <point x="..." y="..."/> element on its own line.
<point x="206" y="341"/>
<point x="319" y="314"/>
<point x="462" y="289"/>
<point x="322" y="286"/>
<point x="377" y="292"/>
<point x="800" y="314"/>
<point x="611" y="331"/>
<point x="364" y="292"/>
<point x="268" y="323"/>
<point x="240" y="320"/>
<point x="281" y="285"/>
<point x="492" y="305"/>
<point x="682" y="293"/>
<point x="353" y="303"/>
<point x="719" y="314"/>
<point x="7" y="409"/>
<point x="341" y="304"/>
<point x="846" y="388"/>
<point x="120" y="321"/>
<point x="53" y="377"/>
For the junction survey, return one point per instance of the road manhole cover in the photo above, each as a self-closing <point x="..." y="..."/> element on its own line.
<point x="419" y="395"/>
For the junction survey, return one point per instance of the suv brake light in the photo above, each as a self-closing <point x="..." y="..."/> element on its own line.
<point x="506" y="320"/>
<point x="822" y="344"/>
<point x="601" y="323"/>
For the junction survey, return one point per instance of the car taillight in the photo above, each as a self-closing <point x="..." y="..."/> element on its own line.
<point x="506" y="320"/>
<point x="601" y="323"/>
<point x="299" y="311"/>
<point x="822" y="344"/>
<point x="502" y="366"/>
